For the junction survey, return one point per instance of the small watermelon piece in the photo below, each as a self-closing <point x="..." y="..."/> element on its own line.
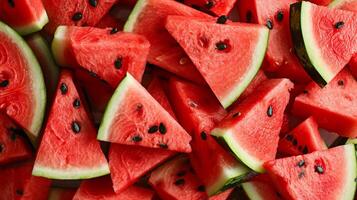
<point x="251" y="130"/>
<point x="328" y="174"/>
<point x="25" y="16"/>
<point x="148" y="19"/>
<point x="108" y="55"/>
<point x="134" y="117"/>
<point x="61" y="193"/>
<point x="23" y="92"/>
<point x="13" y="145"/>
<point x="304" y="139"/>
<point x="101" y="188"/>
<point x="216" y="7"/>
<point x="324" y="39"/>
<point x="175" y="180"/>
<point x="17" y="183"/>
<point x="68" y="149"/>
<point x="261" y="188"/>
<point x="75" y="12"/>
<point x="199" y="111"/>
<point x="215" y="49"/>
<point x="334" y="107"/>
<point x="350" y="5"/>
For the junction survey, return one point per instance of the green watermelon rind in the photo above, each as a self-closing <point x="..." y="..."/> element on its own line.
<point x="134" y="15"/>
<point x="351" y="141"/>
<point x="251" y="191"/>
<point x="33" y="27"/>
<point x="257" y="61"/>
<point x="73" y="173"/>
<point x="336" y="3"/>
<point x="351" y="168"/>
<point x="38" y="83"/>
<point x="59" y="45"/>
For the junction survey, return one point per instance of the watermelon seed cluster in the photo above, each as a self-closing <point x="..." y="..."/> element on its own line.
<point x="293" y="140"/>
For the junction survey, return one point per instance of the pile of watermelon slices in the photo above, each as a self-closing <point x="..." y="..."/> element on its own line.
<point x="178" y="100"/>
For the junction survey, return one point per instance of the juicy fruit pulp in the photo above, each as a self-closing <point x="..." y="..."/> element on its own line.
<point x="69" y="149"/>
<point x="202" y="44"/>
<point x="328" y="174"/>
<point x="251" y="129"/>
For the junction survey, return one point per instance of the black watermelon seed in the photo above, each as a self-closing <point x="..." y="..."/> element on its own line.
<point x="2" y="147"/>
<point x="181" y="173"/>
<point x="305" y="150"/>
<point x="209" y="4"/>
<point x="76" y="103"/>
<point x="153" y="129"/>
<point x="222" y="19"/>
<point x="92" y="74"/>
<point x="179" y="181"/>
<point x="270" y="111"/>
<point x="4" y="83"/>
<point x="139" y="107"/>
<point x="339" y="24"/>
<point x="162" y="128"/>
<point x="19" y="192"/>
<point x="93" y="3"/>
<point x="319" y="169"/>
<point x="203" y="135"/>
<point x="76" y="128"/>
<point x="301" y="163"/>
<point x="114" y="30"/>
<point x="11" y="3"/>
<point x="221" y="46"/>
<point x="280" y="16"/>
<point x="340" y="83"/>
<point x="305" y="92"/>
<point x="295" y="142"/>
<point x="164" y="146"/>
<point x="137" y="138"/>
<point x="289" y="137"/>
<point x="118" y="63"/>
<point x="201" y="188"/>
<point x="269" y="24"/>
<point x="63" y="88"/>
<point x="77" y="16"/>
<point x="301" y="174"/>
<point x="248" y="16"/>
<point x="237" y="114"/>
<point x="180" y="1"/>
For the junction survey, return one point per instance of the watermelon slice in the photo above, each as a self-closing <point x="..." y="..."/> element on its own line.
<point x="261" y="188"/>
<point x="68" y="149"/>
<point x="324" y="39"/>
<point x="304" y="139"/>
<point x="120" y="52"/>
<point x="17" y="183"/>
<point x="25" y="16"/>
<point x="49" y="68"/>
<point x="334" y="107"/>
<point x="328" y="174"/>
<point x="129" y="119"/>
<point x="23" y="93"/>
<point x="13" y="145"/>
<point x="215" y="49"/>
<point x="199" y="111"/>
<point x="251" y="130"/>
<point x="148" y="19"/>
<point x="101" y="188"/>
<point x="75" y="12"/>
<point x="61" y="194"/>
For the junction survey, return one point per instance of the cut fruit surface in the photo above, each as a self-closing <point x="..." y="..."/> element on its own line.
<point x="251" y="129"/>
<point x="215" y="49"/>
<point x="69" y="149"/>
<point x="261" y="188"/>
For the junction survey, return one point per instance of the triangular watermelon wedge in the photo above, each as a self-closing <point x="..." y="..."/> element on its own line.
<point x="69" y="149"/>
<point x="328" y="174"/>
<point x="216" y="51"/>
<point x="134" y="117"/>
<point x="251" y="129"/>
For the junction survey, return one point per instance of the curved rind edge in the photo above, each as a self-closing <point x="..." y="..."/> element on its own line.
<point x="134" y="15"/>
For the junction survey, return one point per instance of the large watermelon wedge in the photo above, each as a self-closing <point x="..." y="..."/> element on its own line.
<point x="133" y="117"/>
<point x="199" y="111"/>
<point x="251" y="129"/>
<point x="148" y="19"/>
<point x="23" y="93"/>
<point x="69" y="149"/>
<point x="25" y="16"/>
<point x="106" y="54"/>
<point x="216" y="49"/>
<point x="328" y="174"/>
<point x="324" y="39"/>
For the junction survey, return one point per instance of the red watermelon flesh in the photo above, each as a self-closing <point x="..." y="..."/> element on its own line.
<point x="321" y="2"/>
<point x="75" y="12"/>
<point x="304" y="139"/>
<point x="280" y="59"/>
<point x="25" y="16"/>
<point x="327" y="174"/>
<point x="69" y="149"/>
<point x="17" y="183"/>
<point x="261" y="187"/>
<point x="251" y="130"/>
<point x="222" y="196"/>
<point x="148" y="19"/>
<point x="175" y="180"/>
<point x="353" y="66"/>
<point x="101" y="189"/>
<point x="108" y="55"/>
<point x="334" y="107"/>
<point x="201" y="43"/>
<point x="217" y="7"/>
<point x="134" y="117"/>
<point x="350" y="5"/>
<point x="13" y="145"/>
<point x="199" y="111"/>
<point x="61" y="194"/>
